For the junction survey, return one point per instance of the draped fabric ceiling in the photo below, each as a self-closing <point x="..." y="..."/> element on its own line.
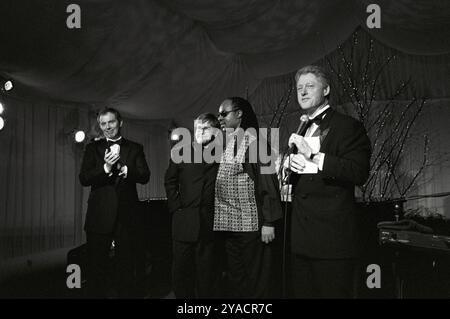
<point x="174" y="59"/>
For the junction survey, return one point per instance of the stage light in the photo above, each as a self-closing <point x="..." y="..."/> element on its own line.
<point x="1" y="108"/>
<point x="80" y="136"/>
<point x="174" y="137"/>
<point x="2" y="123"/>
<point x="8" y="86"/>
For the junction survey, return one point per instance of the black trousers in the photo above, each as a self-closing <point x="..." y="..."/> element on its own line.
<point x="249" y="265"/>
<point x="106" y="274"/>
<point x="322" y="278"/>
<point x="195" y="271"/>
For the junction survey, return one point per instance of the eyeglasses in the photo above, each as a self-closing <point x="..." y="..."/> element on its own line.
<point x="225" y="113"/>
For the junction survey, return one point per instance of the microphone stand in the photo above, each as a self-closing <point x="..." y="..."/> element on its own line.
<point x="285" y="181"/>
<point x="304" y="121"/>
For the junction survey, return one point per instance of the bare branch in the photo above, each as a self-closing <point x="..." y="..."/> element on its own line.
<point x="366" y="71"/>
<point x="408" y="126"/>
<point x="421" y="168"/>
<point x="283" y="111"/>
<point x="377" y="76"/>
<point x="340" y="79"/>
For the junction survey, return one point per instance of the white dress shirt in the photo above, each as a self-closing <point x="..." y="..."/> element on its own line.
<point x="319" y="158"/>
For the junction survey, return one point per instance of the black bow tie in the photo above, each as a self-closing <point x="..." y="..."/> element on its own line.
<point x="119" y="141"/>
<point x="110" y="142"/>
<point x="319" y="118"/>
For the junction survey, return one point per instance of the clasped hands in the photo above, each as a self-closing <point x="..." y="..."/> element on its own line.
<point x="296" y="162"/>
<point x="111" y="158"/>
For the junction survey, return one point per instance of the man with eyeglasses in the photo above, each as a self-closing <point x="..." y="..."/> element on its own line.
<point x="247" y="203"/>
<point x="190" y="198"/>
<point x="323" y="224"/>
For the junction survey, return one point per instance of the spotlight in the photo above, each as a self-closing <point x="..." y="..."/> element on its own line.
<point x="174" y="137"/>
<point x="2" y="123"/>
<point x="80" y="136"/>
<point x="1" y="108"/>
<point x="8" y="86"/>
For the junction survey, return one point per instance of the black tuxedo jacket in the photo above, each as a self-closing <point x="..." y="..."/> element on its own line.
<point x="190" y="198"/>
<point x="112" y="198"/>
<point x="323" y="209"/>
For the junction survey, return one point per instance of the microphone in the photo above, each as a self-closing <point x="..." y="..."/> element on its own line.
<point x="301" y="130"/>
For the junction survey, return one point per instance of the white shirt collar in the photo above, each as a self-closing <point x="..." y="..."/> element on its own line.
<point x="115" y="140"/>
<point x="319" y="111"/>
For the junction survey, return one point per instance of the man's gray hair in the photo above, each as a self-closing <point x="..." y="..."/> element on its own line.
<point x="318" y="71"/>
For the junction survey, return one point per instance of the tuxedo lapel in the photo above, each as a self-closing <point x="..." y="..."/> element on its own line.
<point x="323" y="135"/>
<point x="324" y="129"/>
<point x="124" y="150"/>
<point x="101" y="147"/>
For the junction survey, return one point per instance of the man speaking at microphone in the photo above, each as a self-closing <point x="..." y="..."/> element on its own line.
<point x="331" y="158"/>
<point x="112" y="166"/>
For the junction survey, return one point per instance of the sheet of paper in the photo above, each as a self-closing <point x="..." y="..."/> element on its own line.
<point x="311" y="167"/>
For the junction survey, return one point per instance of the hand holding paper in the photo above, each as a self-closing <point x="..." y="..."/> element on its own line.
<point x="305" y="145"/>
<point x="115" y="148"/>
<point x="300" y="163"/>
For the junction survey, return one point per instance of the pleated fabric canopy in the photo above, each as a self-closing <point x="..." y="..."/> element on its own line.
<point x="172" y="59"/>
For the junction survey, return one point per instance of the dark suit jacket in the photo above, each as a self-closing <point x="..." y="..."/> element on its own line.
<point x="190" y="199"/>
<point x="323" y="207"/>
<point x="112" y="198"/>
<point x="267" y="193"/>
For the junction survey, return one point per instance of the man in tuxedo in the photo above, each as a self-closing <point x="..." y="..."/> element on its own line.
<point x="190" y="196"/>
<point x="112" y="166"/>
<point x="323" y="228"/>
